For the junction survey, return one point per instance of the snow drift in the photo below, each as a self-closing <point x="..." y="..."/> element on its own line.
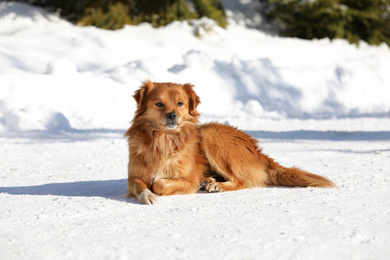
<point x="55" y="75"/>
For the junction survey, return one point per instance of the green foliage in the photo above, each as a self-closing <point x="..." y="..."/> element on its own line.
<point x="212" y="9"/>
<point x="354" y="20"/>
<point x="115" y="18"/>
<point x="161" y="12"/>
<point x="114" y="14"/>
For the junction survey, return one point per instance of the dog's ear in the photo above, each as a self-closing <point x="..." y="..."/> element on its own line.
<point x="142" y="92"/>
<point x="194" y="100"/>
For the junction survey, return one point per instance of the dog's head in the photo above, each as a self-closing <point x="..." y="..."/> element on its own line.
<point x="167" y="106"/>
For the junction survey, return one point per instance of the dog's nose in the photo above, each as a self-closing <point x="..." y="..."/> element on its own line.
<point x="171" y="116"/>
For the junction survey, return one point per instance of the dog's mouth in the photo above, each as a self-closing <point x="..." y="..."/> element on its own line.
<point x="171" y="126"/>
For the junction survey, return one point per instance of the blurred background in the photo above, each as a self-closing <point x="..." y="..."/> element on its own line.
<point x="354" y="20"/>
<point x="75" y="64"/>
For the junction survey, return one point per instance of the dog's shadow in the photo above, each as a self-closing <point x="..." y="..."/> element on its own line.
<point x="110" y="189"/>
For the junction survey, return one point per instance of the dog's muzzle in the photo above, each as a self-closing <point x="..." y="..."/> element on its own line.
<point x="171" y="120"/>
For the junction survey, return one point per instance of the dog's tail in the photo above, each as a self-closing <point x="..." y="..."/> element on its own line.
<point x="282" y="176"/>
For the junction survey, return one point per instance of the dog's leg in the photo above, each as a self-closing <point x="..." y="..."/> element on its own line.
<point x="175" y="186"/>
<point x="141" y="192"/>
<point x="211" y="185"/>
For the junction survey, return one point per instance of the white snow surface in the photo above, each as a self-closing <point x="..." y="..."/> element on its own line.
<point x="66" y="100"/>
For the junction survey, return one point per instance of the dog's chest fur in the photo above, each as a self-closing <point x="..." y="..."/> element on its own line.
<point x="166" y="155"/>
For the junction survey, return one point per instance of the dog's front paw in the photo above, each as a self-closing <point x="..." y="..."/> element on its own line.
<point x="211" y="185"/>
<point x="147" y="197"/>
<point x="161" y="187"/>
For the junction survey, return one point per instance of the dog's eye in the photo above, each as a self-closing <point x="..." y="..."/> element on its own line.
<point x="159" y="104"/>
<point x="180" y="104"/>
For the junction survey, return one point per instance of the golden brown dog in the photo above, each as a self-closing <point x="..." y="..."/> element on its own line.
<point x="170" y="153"/>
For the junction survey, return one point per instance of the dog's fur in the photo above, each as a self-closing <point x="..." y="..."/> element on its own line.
<point x="170" y="153"/>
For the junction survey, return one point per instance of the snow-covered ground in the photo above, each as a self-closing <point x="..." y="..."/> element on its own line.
<point x="65" y="102"/>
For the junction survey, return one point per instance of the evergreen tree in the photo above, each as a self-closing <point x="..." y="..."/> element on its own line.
<point x="354" y="20"/>
<point x="212" y="9"/>
<point x="114" y="14"/>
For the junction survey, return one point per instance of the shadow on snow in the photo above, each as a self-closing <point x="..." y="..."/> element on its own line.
<point x="323" y="135"/>
<point x="110" y="189"/>
<point x="75" y="135"/>
<point x="70" y="135"/>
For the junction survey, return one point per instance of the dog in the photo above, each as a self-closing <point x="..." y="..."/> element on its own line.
<point x="171" y="153"/>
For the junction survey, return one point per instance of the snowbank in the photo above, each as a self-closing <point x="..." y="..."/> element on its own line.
<point x="55" y="75"/>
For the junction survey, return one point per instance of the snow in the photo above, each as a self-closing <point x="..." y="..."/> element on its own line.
<point x="61" y="198"/>
<point x="66" y="100"/>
